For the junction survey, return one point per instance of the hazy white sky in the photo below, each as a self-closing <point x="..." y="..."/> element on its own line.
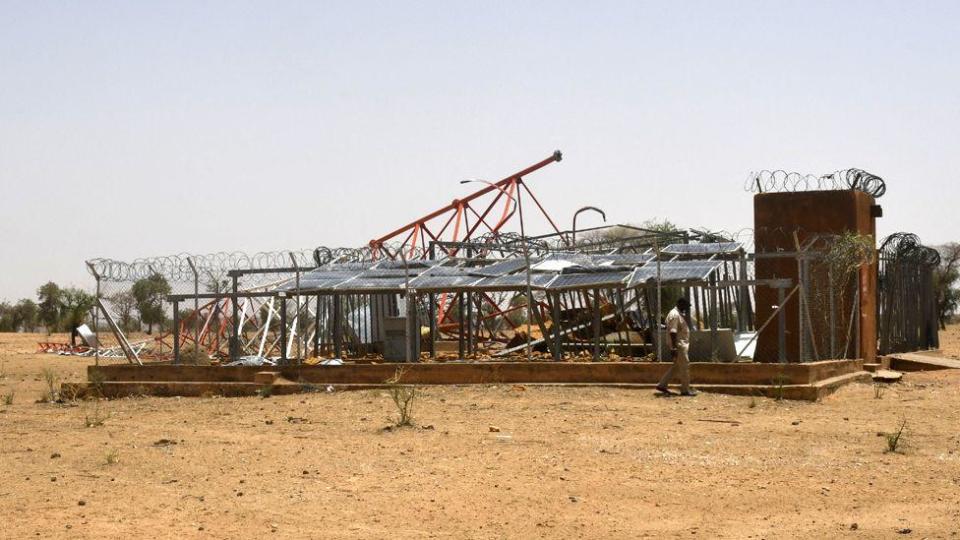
<point x="132" y="129"/>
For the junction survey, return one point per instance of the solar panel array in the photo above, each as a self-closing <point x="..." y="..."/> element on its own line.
<point x="627" y="259"/>
<point x="501" y="268"/>
<point x="582" y="272"/>
<point x="673" y="271"/>
<point x="589" y="280"/>
<point x="713" y="248"/>
<point x="515" y="281"/>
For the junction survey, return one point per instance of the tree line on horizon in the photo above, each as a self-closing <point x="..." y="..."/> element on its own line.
<point x="63" y="309"/>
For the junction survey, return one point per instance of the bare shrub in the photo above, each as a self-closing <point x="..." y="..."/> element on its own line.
<point x="51" y="379"/>
<point x="94" y="418"/>
<point x="403" y="396"/>
<point x="894" y="440"/>
<point x="112" y="457"/>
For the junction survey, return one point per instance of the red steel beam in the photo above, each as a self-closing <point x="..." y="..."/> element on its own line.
<point x="457" y="204"/>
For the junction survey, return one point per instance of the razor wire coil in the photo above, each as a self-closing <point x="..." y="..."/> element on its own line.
<point x="780" y="181"/>
<point x="187" y="267"/>
<point x="906" y="247"/>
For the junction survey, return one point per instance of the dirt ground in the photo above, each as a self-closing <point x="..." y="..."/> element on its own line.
<point x="482" y="462"/>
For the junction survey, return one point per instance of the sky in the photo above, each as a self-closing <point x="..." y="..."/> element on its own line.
<point x="134" y="129"/>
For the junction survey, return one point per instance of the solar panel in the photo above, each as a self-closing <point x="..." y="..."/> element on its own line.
<point x="713" y="248"/>
<point x="441" y="283"/>
<point x="390" y="273"/>
<point x="560" y="262"/>
<point x="400" y="265"/>
<point x="445" y="271"/>
<point x="500" y="268"/>
<point x="311" y="284"/>
<point x="347" y="266"/>
<point x="589" y="280"/>
<point x="673" y="271"/>
<point x="378" y="284"/>
<point x="627" y="259"/>
<point x="516" y="281"/>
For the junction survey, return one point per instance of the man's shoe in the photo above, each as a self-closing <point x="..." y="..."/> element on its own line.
<point x="689" y="393"/>
<point x="663" y="390"/>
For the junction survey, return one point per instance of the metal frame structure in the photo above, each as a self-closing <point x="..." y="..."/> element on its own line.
<point x="458" y="270"/>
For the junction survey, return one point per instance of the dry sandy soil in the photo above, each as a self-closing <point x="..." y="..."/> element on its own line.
<point x="565" y="463"/>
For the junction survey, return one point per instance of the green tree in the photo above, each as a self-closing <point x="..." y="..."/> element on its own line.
<point x="945" y="278"/>
<point x="7" y="322"/>
<point x="77" y="304"/>
<point x="216" y="285"/>
<point x="26" y="312"/>
<point x="51" y="303"/>
<point x="124" y="303"/>
<point x="149" y="294"/>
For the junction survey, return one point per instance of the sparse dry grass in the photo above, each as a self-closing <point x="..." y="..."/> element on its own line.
<point x="565" y="463"/>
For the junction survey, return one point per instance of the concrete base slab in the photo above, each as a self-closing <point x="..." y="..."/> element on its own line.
<point x="805" y="392"/>
<point x="808" y="381"/>
<point x="927" y="361"/>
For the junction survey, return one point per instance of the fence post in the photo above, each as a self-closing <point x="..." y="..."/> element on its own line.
<point x="234" y="323"/>
<point x="176" y="332"/>
<point x="96" y="317"/>
<point x="196" y="304"/>
<point x="781" y="327"/>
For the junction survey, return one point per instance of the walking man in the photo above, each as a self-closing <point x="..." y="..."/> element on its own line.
<point x="679" y="333"/>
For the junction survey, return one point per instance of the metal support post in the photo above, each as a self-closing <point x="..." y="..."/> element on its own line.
<point x="714" y="317"/>
<point x="337" y="327"/>
<point x="283" y="330"/>
<point x="299" y="319"/>
<point x="656" y="322"/>
<point x="176" y="332"/>
<point x="743" y="310"/>
<point x="96" y="317"/>
<point x="460" y="325"/>
<point x="235" y="324"/>
<point x="433" y="308"/>
<point x="316" y="329"/>
<point x="596" y="325"/>
<point x="557" y="351"/>
<point x="196" y="304"/>
<point x="833" y="317"/>
<point x="781" y="327"/>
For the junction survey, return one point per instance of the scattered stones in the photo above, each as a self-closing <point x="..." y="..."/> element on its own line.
<point x="904" y="531"/>
<point x="165" y="442"/>
<point x="854" y="526"/>
<point x="795" y="423"/>
<point x="54" y="455"/>
<point x="81" y="502"/>
<point x="494" y="429"/>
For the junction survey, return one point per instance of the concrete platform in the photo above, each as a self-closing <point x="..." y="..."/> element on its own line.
<point x="809" y="381"/>
<point x="926" y="361"/>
